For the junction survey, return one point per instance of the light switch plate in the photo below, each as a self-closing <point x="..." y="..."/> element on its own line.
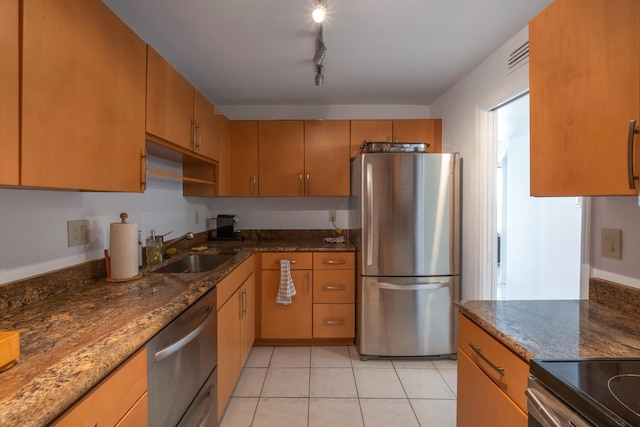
<point x="77" y="232"/>
<point x="611" y="243"/>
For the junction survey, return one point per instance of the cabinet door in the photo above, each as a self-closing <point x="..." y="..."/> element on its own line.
<point x="203" y="114"/>
<point x="480" y="402"/>
<point x="244" y="158"/>
<point x="169" y="102"/>
<point x="281" y="157"/>
<point x="286" y="321"/>
<point x="9" y="107"/>
<point x="229" y="366"/>
<point x="369" y="131"/>
<point x="419" y="130"/>
<point x="138" y="415"/>
<point x="112" y="398"/>
<point x="223" y="140"/>
<point x="248" y="324"/>
<point x="584" y="76"/>
<point x="326" y="158"/>
<point x="83" y="97"/>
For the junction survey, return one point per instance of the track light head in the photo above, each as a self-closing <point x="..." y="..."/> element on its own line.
<point x="320" y="53"/>
<point x="319" y="11"/>
<point x="319" y="75"/>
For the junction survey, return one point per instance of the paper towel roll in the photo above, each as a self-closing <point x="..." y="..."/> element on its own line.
<point x="123" y="250"/>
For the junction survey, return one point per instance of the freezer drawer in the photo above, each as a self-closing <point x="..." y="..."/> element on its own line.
<point x="408" y="316"/>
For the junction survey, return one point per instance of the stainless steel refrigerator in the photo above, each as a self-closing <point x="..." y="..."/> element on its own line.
<point x="404" y="219"/>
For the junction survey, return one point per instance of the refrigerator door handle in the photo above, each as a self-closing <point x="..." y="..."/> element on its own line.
<point x="369" y="198"/>
<point x="412" y="287"/>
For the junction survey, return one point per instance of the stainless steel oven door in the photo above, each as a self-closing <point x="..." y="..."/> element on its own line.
<point x="546" y="410"/>
<point x="180" y="358"/>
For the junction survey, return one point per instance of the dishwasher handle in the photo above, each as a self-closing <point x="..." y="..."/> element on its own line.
<point x="170" y="349"/>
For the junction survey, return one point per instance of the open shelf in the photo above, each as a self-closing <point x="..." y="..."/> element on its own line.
<point x="199" y="174"/>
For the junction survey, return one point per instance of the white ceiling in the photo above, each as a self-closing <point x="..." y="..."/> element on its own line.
<point x="403" y="52"/>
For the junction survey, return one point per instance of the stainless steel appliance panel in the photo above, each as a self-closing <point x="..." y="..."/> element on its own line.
<point x="180" y="358"/>
<point x="408" y="316"/>
<point x="546" y="410"/>
<point x="408" y="213"/>
<point x="203" y="412"/>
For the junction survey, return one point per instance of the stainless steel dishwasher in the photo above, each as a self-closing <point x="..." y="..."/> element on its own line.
<point x="181" y="362"/>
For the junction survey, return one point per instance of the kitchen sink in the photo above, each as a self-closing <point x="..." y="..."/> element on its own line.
<point x="195" y="263"/>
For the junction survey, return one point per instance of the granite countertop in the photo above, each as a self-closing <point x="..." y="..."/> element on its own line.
<point x="74" y="337"/>
<point x="558" y="328"/>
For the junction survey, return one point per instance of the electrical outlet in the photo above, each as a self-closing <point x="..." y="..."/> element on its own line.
<point x="196" y="217"/>
<point x="611" y="243"/>
<point x="77" y="232"/>
<point x="332" y="216"/>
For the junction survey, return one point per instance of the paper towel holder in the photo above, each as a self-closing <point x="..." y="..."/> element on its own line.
<point x="107" y="260"/>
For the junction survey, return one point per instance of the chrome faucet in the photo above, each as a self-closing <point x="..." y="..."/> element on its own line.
<point x="164" y="246"/>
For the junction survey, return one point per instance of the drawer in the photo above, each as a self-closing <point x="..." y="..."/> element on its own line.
<point x="334" y="286"/>
<point x="227" y="286"/>
<point x="334" y="260"/>
<point x="299" y="260"/>
<point x="138" y="415"/>
<point x="489" y="351"/>
<point x="113" y="397"/>
<point x="333" y="320"/>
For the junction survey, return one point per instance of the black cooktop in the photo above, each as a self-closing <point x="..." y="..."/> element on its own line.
<point x="604" y="391"/>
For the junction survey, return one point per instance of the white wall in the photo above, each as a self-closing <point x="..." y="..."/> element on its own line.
<point x="487" y="86"/>
<point x="621" y="213"/>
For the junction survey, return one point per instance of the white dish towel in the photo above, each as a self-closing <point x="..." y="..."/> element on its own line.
<point x="286" y="289"/>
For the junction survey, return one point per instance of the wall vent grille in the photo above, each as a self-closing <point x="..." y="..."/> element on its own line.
<point x="518" y="57"/>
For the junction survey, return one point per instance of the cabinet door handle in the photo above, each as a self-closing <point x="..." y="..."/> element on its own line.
<point x="244" y="303"/>
<point x="192" y="143"/>
<point x="334" y="287"/>
<point x="334" y="261"/>
<point x="241" y="305"/>
<point x="493" y="366"/>
<point x="198" y="136"/>
<point x="308" y="282"/>
<point x="632" y="132"/>
<point x="291" y="261"/>
<point x="306" y="191"/>
<point x="300" y="188"/>
<point x="143" y="170"/>
<point x="337" y="322"/>
<point x="252" y="185"/>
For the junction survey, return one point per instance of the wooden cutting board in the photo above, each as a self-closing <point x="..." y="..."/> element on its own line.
<point x="9" y="349"/>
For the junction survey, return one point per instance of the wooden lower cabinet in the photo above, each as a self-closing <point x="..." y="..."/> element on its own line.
<point x="120" y="399"/>
<point x="292" y="321"/>
<point x="485" y="396"/>
<point x="481" y="403"/>
<point x="324" y="306"/>
<point x="236" y="327"/>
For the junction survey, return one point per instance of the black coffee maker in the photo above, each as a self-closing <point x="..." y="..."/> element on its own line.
<point x="225" y="228"/>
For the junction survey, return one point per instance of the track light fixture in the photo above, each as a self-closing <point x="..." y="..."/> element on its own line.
<point x="318" y="15"/>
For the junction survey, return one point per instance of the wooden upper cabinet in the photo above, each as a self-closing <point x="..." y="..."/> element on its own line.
<point x="419" y="130"/>
<point x="244" y="158"/>
<point x="9" y="106"/>
<point x="206" y="142"/>
<point x="281" y="160"/>
<point x="169" y="102"/>
<point x="326" y="158"/>
<point x="369" y="131"/>
<point x="83" y="97"/>
<point x="584" y="72"/>
<point x="222" y="133"/>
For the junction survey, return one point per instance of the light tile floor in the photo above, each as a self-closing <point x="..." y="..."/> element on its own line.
<point x="322" y="386"/>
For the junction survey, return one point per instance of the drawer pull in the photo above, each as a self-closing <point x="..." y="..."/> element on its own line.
<point x="334" y="287"/>
<point x="291" y="261"/>
<point x="338" y="322"/>
<point x="478" y="351"/>
<point x="334" y="261"/>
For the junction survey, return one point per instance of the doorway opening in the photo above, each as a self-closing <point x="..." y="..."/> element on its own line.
<point x="538" y="238"/>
